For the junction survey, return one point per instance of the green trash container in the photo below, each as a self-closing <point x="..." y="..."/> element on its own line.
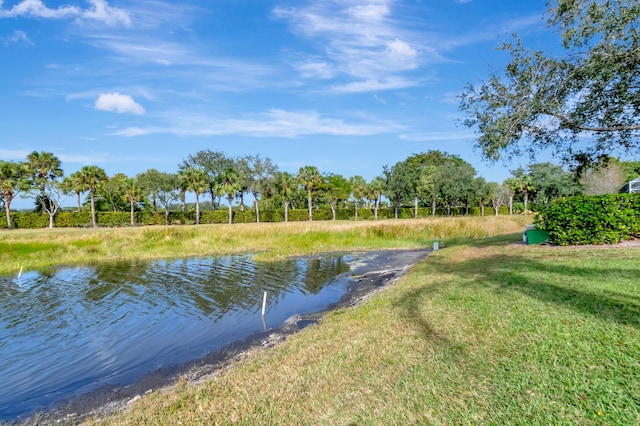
<point x="536" y="236"/>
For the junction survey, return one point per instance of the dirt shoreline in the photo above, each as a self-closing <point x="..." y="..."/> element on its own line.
<point x="377" y="270"/>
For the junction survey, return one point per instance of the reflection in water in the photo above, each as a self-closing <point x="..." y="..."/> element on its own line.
<point x="66" y="331"/>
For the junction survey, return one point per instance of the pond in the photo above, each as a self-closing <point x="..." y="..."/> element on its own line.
<point x="71" y="330"/>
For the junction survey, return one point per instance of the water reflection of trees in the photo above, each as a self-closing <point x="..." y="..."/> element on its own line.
<point x="199" y="287"/>
<point x="215" y="286"/>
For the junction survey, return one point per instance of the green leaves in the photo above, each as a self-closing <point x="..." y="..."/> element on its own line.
<point x="589" y="90"/>
<point x="606" y="219"/>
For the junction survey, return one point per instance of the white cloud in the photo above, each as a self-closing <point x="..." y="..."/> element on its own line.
<point x="315" y="69"/>
<point x="102" y="12"/>
<point x="99" y="11"/>
<point x="116" y="102"/>
<point x="272" y="123"/>
<point x="374" y="85"/>
<point x="15" y="38"/>
<point x="359" y="39"/>
<point x="398" y="50"/>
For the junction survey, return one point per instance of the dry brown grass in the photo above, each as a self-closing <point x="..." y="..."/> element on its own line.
<point x="40" y="248"/>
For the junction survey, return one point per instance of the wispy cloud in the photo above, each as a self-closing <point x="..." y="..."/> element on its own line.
<point x="84" y="159"/>
<point x="14" y="154"/>
<point x="18" y="37"/>
<point x="375" y="85"/>
<point x="116" y="102"/>
<point x="98" y="10"/>
<point x="358" y="39"/>
<point x="272" y="123"/>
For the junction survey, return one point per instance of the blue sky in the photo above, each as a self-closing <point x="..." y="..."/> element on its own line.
<point x="344" y="85"/>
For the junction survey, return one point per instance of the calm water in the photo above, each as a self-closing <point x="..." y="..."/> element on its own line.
<point x="71" y="330"/>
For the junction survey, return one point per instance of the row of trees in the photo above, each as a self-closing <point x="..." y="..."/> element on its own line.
<point x="434" y="179"/>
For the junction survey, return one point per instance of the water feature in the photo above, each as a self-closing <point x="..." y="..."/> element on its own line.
<point x="69" y="330"/>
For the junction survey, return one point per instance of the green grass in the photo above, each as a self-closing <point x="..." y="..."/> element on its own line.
<point x="485" y="332"/>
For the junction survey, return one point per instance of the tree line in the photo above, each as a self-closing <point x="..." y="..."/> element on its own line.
<point x="435" y="179"/>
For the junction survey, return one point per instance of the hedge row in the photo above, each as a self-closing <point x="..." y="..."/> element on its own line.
<point x="109" y="219"/>
<point x="606" y="219"/>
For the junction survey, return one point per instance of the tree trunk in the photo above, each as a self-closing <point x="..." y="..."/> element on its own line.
<point x="93" y="209"/>
<point x="286" y="211"/>
<point x="133" y="222"/>
<point x="51" y="220"/>
<point x="197" y="208"/>
<point x="433" y="205"/>
<point x="241" y="196"/>
<point x="166" y="216"/>
<point x="257" y="211"/>
<point x="415" y="208"/>
<point x="525" y="196"/>
<point x="395" y="210"/>
<point x="79" y="206"/>
<point x="482" y="208"/>
<point x="230" y="199"/>
<point x="510" y="205"/>
<point x="356" y="204"/>
<point x="7" y="208"/>
<point x="333" y="210"/>
<point x="309" y="204"/>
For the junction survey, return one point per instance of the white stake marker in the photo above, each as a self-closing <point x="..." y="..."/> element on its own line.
<point x="264" y="302"/>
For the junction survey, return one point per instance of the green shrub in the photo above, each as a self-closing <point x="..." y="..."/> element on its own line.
<point x="30" y="220"/>
<point x="214" y="216"/>
<point x="606" y="219"/>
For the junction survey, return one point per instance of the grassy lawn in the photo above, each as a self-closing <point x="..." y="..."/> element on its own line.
<point x="482" y="332"/>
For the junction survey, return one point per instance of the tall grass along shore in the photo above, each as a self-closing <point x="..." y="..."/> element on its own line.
<point x="29" y="249"/>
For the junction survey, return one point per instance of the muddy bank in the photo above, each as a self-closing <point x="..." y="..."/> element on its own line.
<point x="375" y="271"/>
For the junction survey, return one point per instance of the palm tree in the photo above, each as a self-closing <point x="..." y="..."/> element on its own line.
<point x="376" y="188"/>
<point x="512" y="184"/>
<point x="195" y="180"/>
<point x="44" y="166"/>
<point x="92" y="176"/>
<point x="133" y="193"/>
<point x="13" y="179"/>
<point x="285" y="184"/>
<point x="229" y="185"/>
<point x="261" y="175"/>
<point x="74" y="183"/>
<point x="309" y="177"/>
<point x="358" y="190"/>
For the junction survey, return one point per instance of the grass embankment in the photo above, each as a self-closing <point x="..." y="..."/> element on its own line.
<point x="32" y="249"/>
<point x="484" y="332"/>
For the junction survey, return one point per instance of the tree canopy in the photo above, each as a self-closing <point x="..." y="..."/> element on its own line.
<point x="581" y="100"/>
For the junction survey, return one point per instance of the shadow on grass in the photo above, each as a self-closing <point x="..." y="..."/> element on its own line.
<point x="571" y="284"/>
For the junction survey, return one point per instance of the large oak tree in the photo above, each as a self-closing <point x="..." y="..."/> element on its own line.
<point x="581" y="100"/>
